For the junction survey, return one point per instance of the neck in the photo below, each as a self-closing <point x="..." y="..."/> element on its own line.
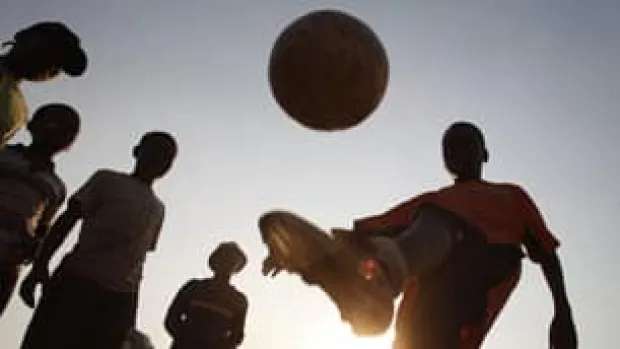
<point x="142" y="177"/>
<point x="222" y="278"/>
<point x="474" y="177"/>
<point x="40" y="152"/>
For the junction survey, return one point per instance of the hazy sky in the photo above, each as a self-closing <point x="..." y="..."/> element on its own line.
<point x="540" y="76"/>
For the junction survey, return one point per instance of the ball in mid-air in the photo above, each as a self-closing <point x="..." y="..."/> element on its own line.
<point x="328" y="70"/>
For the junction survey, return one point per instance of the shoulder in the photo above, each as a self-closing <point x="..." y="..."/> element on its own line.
<point x="59" y="186"/>
<point x="102" y="174"/>
<point x="13" y="151"/>
<point x="514" y="189"/>
<point x="190" y="286"/>
<point x="241" y="297"/>
<point x="417" y="199"/>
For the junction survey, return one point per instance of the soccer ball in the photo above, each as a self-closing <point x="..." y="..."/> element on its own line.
<point x="328" y="70"/>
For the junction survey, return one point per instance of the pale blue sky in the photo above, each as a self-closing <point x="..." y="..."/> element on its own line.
<point x="540" y="76"/>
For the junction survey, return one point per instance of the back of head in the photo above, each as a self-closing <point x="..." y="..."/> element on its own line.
<point x="464" y="150"/>
<point x="155" y="153"/>
<point x="46" y="45"/>
<point x="227" y="258"/>
<point x="54" y="126"/>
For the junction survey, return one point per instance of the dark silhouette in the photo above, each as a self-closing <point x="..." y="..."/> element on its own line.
<point x="31" y="192"/>
<point x="91" y="300"/>
<point x="456" y="253"/>
<point x="210" y="313"/>
<point x="37" y="53"/>
<point x="454" y="303"/>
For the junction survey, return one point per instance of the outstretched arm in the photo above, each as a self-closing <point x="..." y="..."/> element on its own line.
<point x="57" y="235"/>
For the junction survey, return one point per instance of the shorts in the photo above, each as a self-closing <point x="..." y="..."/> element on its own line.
<point x="75" y="312"/>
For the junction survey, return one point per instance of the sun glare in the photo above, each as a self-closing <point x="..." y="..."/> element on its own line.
<point x="341" y="337"/>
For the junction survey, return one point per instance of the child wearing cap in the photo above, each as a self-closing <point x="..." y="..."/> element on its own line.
<point x="210" y="313"/>
<point x="37" y="53"/>
<point x="30" y="190"/>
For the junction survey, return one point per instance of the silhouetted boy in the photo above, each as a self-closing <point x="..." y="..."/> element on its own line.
<point x="91" y="300"/>
<point x="460" y="249"/>
<point x="38" y="53"/>
<point x="31" y="192"/>
<point x="210" y="313"/>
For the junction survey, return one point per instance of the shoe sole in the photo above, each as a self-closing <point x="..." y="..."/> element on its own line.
<point x="299" y="246"/>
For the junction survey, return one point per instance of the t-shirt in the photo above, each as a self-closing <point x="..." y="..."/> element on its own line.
<point x="122" y="218"/>
<point x="214" y="315"/>
<point x="504" y="212"/>
<point x="13" y="108"/>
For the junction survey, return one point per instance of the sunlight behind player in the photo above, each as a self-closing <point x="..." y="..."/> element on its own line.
<point x="339" y="336"/>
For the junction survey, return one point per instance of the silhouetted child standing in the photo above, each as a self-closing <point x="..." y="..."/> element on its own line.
<point x="38" y="53"/>
<point x="210" y="313"/>
<point x="31" y="192"/>
<point x="91" y="300"/>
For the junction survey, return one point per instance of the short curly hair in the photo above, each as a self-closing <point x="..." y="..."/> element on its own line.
<point x="228" y="255"/>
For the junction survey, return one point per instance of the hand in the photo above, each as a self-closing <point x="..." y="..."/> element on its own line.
<point x="28" y="286"/>
<point x="562" y="334"/>
<point x="270" y="267"/>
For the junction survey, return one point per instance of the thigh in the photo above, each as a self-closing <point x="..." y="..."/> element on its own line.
<point x="62" y="314"/>
<point x="115" y="319"/>
<point x="432" y="323"/>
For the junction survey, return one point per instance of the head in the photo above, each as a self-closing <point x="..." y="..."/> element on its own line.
<point x="54" y="127"/>
<point x="464" y="150"/>
<point x="227" y="259"/>
<point x="154" y="155"/>
<point x="40" y="52"/>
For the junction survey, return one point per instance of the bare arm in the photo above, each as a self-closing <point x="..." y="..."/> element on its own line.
<point x="541" y="247"/>
<point x="40" y="272"/>
<point x="563" y="333"/>
<point x="57" y="234"/>
<point x="552" y="270"/>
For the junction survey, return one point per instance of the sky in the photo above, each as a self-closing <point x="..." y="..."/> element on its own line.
<point x="539" y="76"/>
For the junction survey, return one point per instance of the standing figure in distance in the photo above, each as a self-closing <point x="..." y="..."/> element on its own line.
<point x="210" y="313"/>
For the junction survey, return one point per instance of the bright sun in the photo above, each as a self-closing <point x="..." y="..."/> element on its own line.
<point x="341" y="337"/>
